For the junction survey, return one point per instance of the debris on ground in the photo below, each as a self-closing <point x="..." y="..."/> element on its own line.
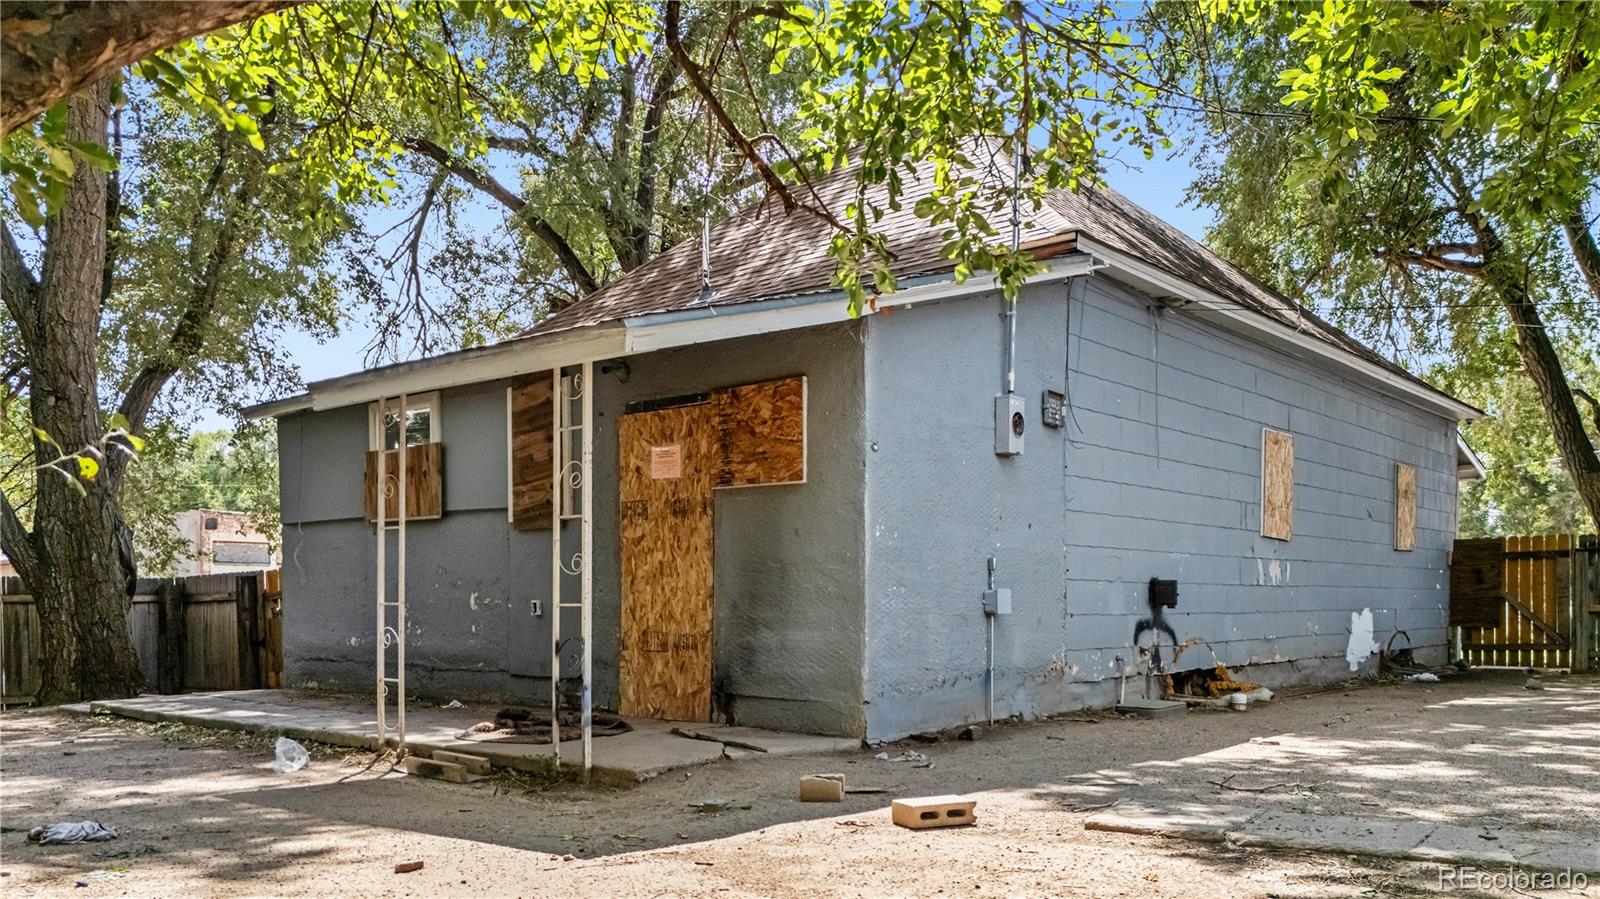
<point x="933" y="811"/>
<point x="910" y="755"/>
<point x="714" y="805"/>
<point x="453" y="704"/>
<point x="522" y="724"/>
<point x="1426" y="677"/>
<point x="1213" y="683"/>
<point x="713" y="738"/>
<point x="290" y="756"/>
<point x="1534" y="684"/>
<point x="64" y="832"/>
<point x="407" y="867"/>
<point x="439" y="769"/>
<point x="822" y="788"/>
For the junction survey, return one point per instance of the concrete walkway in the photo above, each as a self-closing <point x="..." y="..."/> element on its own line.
<point x="1404" y="838"/>
<point x="642" y="753"/>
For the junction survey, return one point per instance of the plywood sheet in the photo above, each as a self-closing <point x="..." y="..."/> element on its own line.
<point x="532" y="452"/>
<point x="1277" y="484"/>
<point x="761" y="433"/>
<point x="669" y="462"/>
<point x="424" y="483"/>
<point x="1405" y="507"/>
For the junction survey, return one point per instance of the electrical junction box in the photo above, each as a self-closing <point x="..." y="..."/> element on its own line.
<point x="1053" y="409"/>
<point x="1009" y="423"/>
<point x="1163" y="593"/>
<point x="997" y="601"/>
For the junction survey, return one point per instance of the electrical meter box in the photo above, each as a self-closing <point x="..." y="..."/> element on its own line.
<point x="1009" y="423"/>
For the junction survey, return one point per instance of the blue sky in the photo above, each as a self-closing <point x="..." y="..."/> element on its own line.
<point x="1157" y="185"/>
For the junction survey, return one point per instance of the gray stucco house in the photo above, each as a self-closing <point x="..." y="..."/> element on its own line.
<point x="794" y="511"/>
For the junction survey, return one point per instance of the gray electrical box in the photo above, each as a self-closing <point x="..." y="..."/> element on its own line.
<point x="997" y="601"/>
<point x="1053" y="409"/>
<point x="1009" y="423"/>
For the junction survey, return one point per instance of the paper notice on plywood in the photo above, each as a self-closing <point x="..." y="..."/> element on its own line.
<point x="666" y="462"/>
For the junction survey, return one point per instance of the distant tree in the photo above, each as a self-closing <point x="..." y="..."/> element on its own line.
<point x="1424" y="169"/>
<point x="1526" y="488"/>
<point x="176" y="472"/>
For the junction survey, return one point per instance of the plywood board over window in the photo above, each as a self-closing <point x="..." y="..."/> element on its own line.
<point x="424" y="483"/>
<point x="532" y="451"/>
<point x="1405" y="507"/>
<point x="1277" y="484"/>
<point x="761" y="433"/>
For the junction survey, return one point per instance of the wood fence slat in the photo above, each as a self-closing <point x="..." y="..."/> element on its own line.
<point x="207" y="632"/>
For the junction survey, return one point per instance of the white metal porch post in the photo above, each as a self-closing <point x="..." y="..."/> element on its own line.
<point x="557" y="476"/>
<point x="574" y="473"/>
<point x="586" y="597"/>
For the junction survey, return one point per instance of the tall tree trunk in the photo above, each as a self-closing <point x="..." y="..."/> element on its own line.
<point x="1543" y="365"/>
<point x="73" y="567"/>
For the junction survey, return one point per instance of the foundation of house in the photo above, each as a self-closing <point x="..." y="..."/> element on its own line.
<point x="648" y="749"/>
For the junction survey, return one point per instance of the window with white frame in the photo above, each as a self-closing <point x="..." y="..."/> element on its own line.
<point x="422" y="423"/>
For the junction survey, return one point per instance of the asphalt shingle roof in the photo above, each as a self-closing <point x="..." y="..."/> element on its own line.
<point x="763" y="253"/>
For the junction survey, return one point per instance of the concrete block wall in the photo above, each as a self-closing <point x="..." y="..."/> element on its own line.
<point x="1156" y="475"/>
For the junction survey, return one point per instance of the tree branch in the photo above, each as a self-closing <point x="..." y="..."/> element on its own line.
<point x="18" y="542"/>
<point x="20" y="288"/>
<point x="644" y="192"/>
<point x="1437" y="263"/>
<point x="566" y="256"/>
<point x="1594" y="405"/>
<point x="50" y="51"/>
<point x="747" y="149"/>
<point x="1584" y="250"/>
<point x="206" y="272"/>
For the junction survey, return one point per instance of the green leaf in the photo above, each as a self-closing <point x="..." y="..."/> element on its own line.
<point x="95" y="154"/>
<point x="87" y="468"/>
<point x="43" y="436"/>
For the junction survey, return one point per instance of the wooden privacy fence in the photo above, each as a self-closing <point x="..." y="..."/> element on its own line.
<point x="1527" y="601"/>
<point x="207" y="632"/>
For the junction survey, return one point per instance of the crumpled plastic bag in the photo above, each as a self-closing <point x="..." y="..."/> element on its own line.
<point x="291" y="756"/>
<point x="72" y="832"/>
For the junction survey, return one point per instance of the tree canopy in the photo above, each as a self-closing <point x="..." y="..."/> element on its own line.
<point x="1423" y="171"/>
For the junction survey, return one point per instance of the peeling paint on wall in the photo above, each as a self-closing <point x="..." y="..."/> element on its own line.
<point x="1361" y="643"/>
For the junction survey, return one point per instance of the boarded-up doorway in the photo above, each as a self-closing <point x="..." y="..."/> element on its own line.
<point x="668" y="463"/>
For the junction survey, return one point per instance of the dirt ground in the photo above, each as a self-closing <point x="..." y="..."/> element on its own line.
<point x="202" y="813"/>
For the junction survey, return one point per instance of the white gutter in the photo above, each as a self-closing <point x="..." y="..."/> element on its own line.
<point x="639" y="334"/>
<point x="509" y="359"/>
<point x="1232" y="316"/>
<point x="665" y="330"/>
